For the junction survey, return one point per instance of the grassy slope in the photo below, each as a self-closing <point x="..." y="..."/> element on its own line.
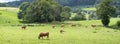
<point x="89" y="9"/>
<point x="73" y="35"/>
<point x="8" y="14"/>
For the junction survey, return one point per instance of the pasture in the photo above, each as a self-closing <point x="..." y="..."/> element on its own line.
<point x="83" y="33"/>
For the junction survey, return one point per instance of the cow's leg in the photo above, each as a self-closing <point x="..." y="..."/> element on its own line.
<point x="48" y="36"/>
<point x="42" y="37"/>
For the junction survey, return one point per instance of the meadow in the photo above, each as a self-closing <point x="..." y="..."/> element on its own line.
<point x="11" y="32"/>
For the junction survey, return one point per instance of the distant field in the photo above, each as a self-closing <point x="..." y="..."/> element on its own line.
<point x="8" y="15"/>
<point x="89" y="9"/>
<point x="83" y="33"/>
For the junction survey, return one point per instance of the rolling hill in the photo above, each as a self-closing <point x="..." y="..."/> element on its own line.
<point x="8" y="15"/>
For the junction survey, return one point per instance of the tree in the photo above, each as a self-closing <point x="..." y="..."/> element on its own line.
<point x="104" y="11"/>
<point x="65" y="16"/>
<point x="23" y="8"/>
<point x="42" y="11"/>
<point x="79" y="16"/>
<point x="67" y="9"/>
<point x="66" y="13"/>
<point x="4" y="5"/>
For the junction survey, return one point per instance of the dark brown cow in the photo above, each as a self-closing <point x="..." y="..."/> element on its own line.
<point x="61" y="31"/>
<point x="73" y="25"/>
<point x="43" y="34"/>
<point x="24" y="27"/>
<point x="93" y="26"/>
<point x="53" y="26"/>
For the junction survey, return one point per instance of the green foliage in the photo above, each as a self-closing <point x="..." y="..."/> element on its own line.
<point x="79" y="16"/>
<point x="3" y="5"/>
<point x="67" y="9"/>
<point x="42" y="11"/>
<point x="23" y="9"/>
<point x="118" y="23"/>
<point x="105" y="10"/>
<point x="105" y="21"/>
<point x="65" y="16"/>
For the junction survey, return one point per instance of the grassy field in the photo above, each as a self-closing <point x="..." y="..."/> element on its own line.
<point x="8" y="15"/>
<point x="89" y="9"/>
<point x="73" y="35"/>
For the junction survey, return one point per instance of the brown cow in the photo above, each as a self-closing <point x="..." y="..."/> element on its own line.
<point x="24" y="27"/>
<point x="43" y="34"/>
<point x="73" y="25"/>
<point x="53" y="26"/>
<point x="61" y="31"/>
<point x="93" y="26"/>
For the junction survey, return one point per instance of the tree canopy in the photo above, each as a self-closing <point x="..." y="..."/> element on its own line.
<point x="105" y="10"/>
<point x="42" y="11"/>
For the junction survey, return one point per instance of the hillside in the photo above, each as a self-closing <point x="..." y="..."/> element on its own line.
<point x="66" y="2"/>
<point x="8" y="15"/>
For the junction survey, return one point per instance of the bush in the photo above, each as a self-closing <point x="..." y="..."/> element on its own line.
<point x="65" y="15"/>
<point x="118" y="23"/>
<point x="78" y="17"/>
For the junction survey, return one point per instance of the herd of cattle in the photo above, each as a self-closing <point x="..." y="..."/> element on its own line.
<point x="46" y="34"/>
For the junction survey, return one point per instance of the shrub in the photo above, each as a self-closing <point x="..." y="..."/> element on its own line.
<point x="118" y="23"/>
<point x="78" y="17"/>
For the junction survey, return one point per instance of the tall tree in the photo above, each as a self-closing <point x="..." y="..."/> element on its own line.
<point x="23" y="7"/>
<point x="42" y="11"/>
<point x="104" y="10"/>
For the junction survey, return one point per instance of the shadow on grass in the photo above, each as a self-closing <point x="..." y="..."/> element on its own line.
<point x="114" y="27"/>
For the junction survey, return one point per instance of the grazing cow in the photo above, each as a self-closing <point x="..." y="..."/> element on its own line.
<point x="24" y="27"/>
<point x="61" y="31"/>
<point x="93" y="26"/>
<point x="43" y="34"/>
<point x="62" y="25"/>
<point x="73" y="25"/>
<point x="53" y="26"/>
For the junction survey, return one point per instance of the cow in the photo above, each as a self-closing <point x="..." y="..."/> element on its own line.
<point x="43" y="34"/>
<point x="93" y="26"/>
<point x="73" y="25"/>
<point x="61" y="31"/>
<point x="53" y="26"/>
<point x="24" y="27"/>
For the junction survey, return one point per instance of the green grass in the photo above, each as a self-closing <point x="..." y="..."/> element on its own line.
<point x="73" y="35"/>
<point x="8" y="14"/>
<point x="89" y="9"/>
